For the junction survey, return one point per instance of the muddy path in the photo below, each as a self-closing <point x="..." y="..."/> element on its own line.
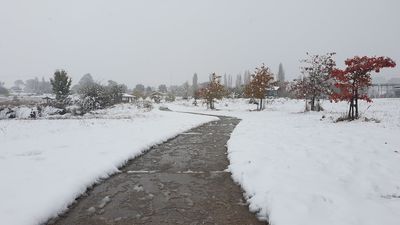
<point x="182" y="181"/>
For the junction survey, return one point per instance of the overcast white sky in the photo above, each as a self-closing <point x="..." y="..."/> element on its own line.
<point x="166" y="41"/>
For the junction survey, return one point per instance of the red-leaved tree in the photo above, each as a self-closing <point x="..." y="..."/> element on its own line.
<point x="354" y="80"/>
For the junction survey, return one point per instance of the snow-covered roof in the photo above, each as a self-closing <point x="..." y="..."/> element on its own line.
<point x="156" y="93"/>
<point x="274" y="88"/>
<point x="127" y="95"/>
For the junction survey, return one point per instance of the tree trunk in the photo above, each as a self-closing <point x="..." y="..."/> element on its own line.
<point x="306" y="105"/>
<point x="313" y="103"/>
<point x="356" y="104"/>
<point x="352" y="116"/>
<point x="350" y="107"/>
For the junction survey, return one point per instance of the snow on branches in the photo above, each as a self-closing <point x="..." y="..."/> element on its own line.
<point x="260" y="81"/>
<point x="315" y="83"/>
<point x="213" y="90"/>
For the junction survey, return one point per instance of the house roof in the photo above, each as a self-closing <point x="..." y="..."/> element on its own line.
<point x="127" y="95"/>
<point x="273" y="88"/>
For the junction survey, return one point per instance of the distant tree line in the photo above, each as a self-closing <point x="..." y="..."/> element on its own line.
<point x="3" y="89"/>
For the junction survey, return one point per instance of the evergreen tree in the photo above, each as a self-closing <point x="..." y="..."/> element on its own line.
<point x="162" y="88"/>
<point x="281" y="74"/>
<point x="149" y="91"/>
<point x="195" y="86"/>
<point x="61" y="85"/>
<point x="138" y="91"/>
<point x="185" y="90"/>
<point x="32" y="86"/>
<point x="86" y="79"/>
<point x="225" y="81"/>
<point x="246" y="77"/>
<point x="116" y="91"/>
<point x="281" y="83"/>
<point x="3" y="90"/>
<point x="45" y="86"/>
<point x="229" y="81"/>
<point x="19" y="84"/>
<point x="85" y="82"/>
<point x="238" y="81"/>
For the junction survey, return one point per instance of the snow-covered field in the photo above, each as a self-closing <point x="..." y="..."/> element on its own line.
<point x="46" y="164"/>
<point x="295" y="168"/>
<point x="304" y="169"/>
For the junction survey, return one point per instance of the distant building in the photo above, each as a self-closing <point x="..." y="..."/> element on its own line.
<point x="386" y="90"/>
<point x="273" y="91"/>
<point x="394" y="80"/>
<point x="397" y="91"/>
<point x="157" y="96"/>
<point x="16" y="89"/>
<point x="48" y="100"/>
<point x="127" y="98"/>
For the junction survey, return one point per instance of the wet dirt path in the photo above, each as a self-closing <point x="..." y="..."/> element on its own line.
<point x="182" y="181"/>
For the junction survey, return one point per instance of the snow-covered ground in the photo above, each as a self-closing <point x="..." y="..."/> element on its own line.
<point x="303" y="168"/>
<point x="46" y="164"/>
<point x="295" y="167"/>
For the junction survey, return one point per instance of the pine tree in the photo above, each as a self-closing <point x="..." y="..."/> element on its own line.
<point x="61" y="84"/>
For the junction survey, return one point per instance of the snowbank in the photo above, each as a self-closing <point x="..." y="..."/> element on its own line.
<point x="302" y="168"/>
<point x="24" y="112"/>
<point x="46" y="164"/>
